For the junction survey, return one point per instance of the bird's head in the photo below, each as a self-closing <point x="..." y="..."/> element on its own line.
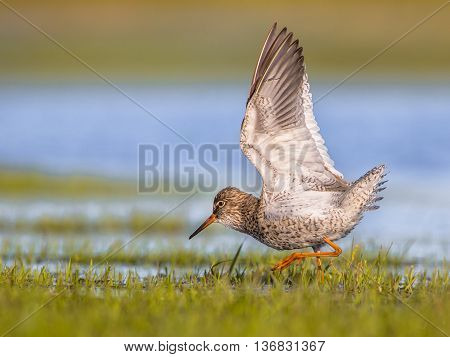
<point x="228" y="208"/>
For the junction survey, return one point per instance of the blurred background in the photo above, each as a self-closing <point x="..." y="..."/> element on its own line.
<point x="69" y="140"/>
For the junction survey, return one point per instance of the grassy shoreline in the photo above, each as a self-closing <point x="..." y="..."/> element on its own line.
<point x="17" y="183"/>
<point x="148" y="39"/>
<point x="168" y="290"/>
<point x="357" y="298"/>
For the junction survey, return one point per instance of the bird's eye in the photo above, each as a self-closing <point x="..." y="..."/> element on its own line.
<point x="220" y="204"/>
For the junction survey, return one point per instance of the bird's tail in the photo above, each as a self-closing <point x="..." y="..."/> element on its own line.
<point x="363" y="193"/>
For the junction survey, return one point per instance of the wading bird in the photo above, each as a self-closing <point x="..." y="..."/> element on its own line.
<point x="305" y="201"/>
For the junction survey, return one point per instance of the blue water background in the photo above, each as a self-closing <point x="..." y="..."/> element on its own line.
<point x="93" y="129"/>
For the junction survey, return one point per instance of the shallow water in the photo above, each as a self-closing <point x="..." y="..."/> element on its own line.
<point x="92" y="129"/>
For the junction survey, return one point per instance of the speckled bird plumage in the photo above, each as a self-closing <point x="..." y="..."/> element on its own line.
<point x="304" y="197"/>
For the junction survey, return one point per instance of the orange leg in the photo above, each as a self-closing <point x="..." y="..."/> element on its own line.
<point x="283" y="264"/>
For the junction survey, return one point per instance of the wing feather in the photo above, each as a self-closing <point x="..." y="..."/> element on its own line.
<point x="279" y="133"/>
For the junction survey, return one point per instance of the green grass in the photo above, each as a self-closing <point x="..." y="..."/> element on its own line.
<point x="105" y="224"/>
<point x="16" y="183"/>
<point x="73" y="289"/>
<point x="168" y="251"/>
<point x="362" y="295"/>
<point x="32" y="184"/>
<point x="150" y="40"/>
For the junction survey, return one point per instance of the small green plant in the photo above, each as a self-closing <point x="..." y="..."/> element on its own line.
<point x="361" y="295"/>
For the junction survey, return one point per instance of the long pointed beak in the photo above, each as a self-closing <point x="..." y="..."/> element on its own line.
<point x="209" y="220"/>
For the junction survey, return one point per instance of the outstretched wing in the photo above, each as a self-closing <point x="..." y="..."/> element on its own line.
<point x="279" y="134"/>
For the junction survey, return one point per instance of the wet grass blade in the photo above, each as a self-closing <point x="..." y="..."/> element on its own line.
<point x="236" y="256"/>
<point x="212" y="271"/>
